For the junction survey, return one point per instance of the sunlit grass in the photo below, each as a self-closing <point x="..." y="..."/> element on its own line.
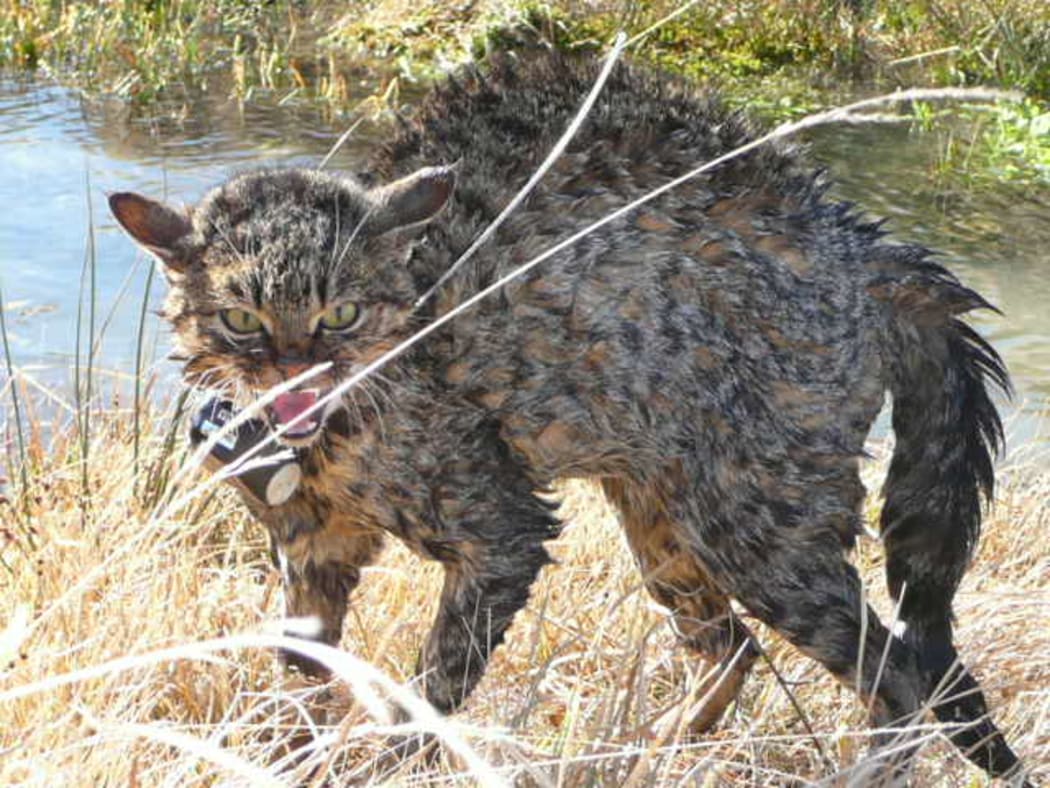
<point x="1003" y="42"/>
<point x="148" y="50"/>
<point x="988" y="145"/>
<point x="580" y="693"/>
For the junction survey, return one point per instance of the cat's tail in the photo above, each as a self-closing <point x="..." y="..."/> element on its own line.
<point x="947" y="432"/>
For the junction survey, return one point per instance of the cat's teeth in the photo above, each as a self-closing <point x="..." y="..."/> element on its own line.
<point x="288" y="411"/>
<point x="300" y="430"/>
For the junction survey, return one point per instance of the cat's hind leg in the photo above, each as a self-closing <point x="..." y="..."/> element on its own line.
<point x="776" y="542"/>
<point x="703" y="620"/>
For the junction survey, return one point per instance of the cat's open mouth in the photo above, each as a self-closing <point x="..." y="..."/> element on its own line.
<point x="296" y="412"/>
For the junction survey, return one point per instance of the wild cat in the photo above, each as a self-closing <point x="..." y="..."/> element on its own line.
<point x="713" y="359"/>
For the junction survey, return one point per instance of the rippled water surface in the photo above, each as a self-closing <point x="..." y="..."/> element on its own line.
<point x="996" y="240"/>
<point x="60" y="155"/>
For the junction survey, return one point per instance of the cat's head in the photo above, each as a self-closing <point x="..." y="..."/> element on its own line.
<point x="277" y="271"/>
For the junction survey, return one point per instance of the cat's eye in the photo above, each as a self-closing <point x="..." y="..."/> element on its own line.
<point x="241" y="321"/>
<point x="340" y="318"/>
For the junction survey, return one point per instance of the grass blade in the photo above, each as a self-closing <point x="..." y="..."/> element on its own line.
<point x="137" y="396"/>
<point x="16" y="410"/>
<point x="82" y="376"/>
<point x="92" y="304"/>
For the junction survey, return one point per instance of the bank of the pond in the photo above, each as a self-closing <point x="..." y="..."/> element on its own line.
<point x="142" y="49"/>
<point x="780" y="58"/>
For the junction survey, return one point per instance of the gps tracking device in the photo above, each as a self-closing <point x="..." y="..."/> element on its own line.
<point x="272" y="483"/>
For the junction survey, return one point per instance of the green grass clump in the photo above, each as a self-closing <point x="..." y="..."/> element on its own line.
<point x="1004" y="42"/>
<point x="148" y="49"/>
<point x="1013" y="143"/>
<point x="988" y="144"/>
<point x="143" y="48"/>
<point x="777" y="58"/>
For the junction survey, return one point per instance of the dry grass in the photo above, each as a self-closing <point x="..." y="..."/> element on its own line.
<point x="575" y="697"/>
<point x="138" y="604"/>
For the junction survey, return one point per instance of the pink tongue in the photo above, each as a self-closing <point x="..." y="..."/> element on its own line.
<point x="288" y="406"/>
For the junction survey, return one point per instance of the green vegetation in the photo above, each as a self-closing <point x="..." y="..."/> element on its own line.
<point x="995" y="143"/>
<point x="1005" y="42"/>
<point x="142" y="47"/>
<point x="776" y="57"/>
<point x="147" y="49"/>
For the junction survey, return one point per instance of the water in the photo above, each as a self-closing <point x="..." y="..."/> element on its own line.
<point x="57" y="152"/>
<point x="997" y="241"/>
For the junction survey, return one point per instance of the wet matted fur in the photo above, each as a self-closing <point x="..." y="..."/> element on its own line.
<point x="715" y="359"/>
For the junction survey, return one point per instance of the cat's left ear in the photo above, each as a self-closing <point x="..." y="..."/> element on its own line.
<point x="158" y="228"/>
<point x="410" y="200"/>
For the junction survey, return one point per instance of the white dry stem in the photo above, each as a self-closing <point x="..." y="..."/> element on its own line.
<point x="340" y="142"/>
<point x="553" y="156"/>
<point x="360" y="675"/>
<point x="894" y="626"/>
<point x="862" y="638"/>
<point x="204" y="750"/>
<point x="662" y="21"/>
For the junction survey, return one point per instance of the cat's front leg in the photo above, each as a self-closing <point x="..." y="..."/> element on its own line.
<point x="486" y="584"/>
<point x="490" y="541"/>
<point x="319" y="569"/>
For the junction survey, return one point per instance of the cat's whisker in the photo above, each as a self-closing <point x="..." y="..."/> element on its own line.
<point x="365" y="389"/>
<point x="390" y="383"/>
<point x="226" y="379"/>
<point x="358" y="415"/>
<point x="345" y="400"/>
<point x="243" y="394"/>
<point x="390" y="404"/>
<point x="332" y="263"/>
<point x="379" y="383"/>
<point x="204" y="379"/>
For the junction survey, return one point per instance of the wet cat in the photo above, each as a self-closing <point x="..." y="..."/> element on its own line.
<point x="714" y="359"/>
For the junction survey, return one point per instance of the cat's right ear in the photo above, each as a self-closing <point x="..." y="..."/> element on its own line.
<point x="158" y="229"/>
<point x="416" y="198"/>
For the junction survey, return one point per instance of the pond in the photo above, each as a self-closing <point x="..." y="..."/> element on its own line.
<point x="60" y="155"/>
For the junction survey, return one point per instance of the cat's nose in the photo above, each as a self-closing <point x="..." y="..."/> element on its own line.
<point x="292" y="367"/>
